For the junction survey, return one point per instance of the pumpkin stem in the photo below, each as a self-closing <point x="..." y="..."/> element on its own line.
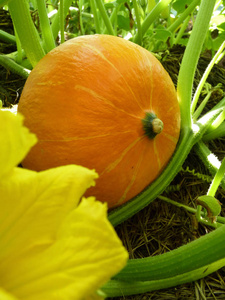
<point x="152" y="125"/>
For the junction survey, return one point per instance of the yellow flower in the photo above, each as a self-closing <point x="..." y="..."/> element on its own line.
<point x="53" y="245"/>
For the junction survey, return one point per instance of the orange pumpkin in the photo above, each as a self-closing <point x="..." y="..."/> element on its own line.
<point x="105" y="103"/>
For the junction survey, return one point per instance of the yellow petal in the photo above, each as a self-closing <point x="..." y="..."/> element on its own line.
<point x="15" y="141"/>
<point x="5" y="296"/>
<point x="85" y="255"/>
<point x="33" y="205"/>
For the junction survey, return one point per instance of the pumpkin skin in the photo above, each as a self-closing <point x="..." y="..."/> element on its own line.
<point x="86" y="101"/>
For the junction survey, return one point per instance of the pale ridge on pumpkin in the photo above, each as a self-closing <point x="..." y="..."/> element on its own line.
<point x="112" y="65"/>
<point x="134" y="176"/>
<point x="169" y="137"/>
<point x="157" y="154"/>
<point x="111" y="166"/>
<point x="151" y="87"/>
<point x="87" y="137"/>
<point x="171" y="109"/>
<point x="95" y="95"/>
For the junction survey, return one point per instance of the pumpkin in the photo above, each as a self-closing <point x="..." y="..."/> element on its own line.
<point x="107" y="104"/>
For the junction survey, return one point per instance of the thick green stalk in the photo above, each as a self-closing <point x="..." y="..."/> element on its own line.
<point x="7" y="37"/>
<point x="113" y="19"/>
<point x="138" y="21"/>
<point x="217" y="179"/>
<point x="151" y="4"/>
<point x="13" y="66"/>
<point x="80" y="3"/>
<point x="19" y="57"/>
<point x="4" y="2"/>
<point x="217" y="128"/>
<point x="115" y="288"/>
<point x="184" y="259"/>
<point x="182" y="30"/>
<point x="190" y="60"/>
<point x="26" y="30"/>
<point x="200" y="108"/>
<point x="154" y="14"/>
<point x="56" y="20"/>
<point x="61" y="5"/>
<point x="209" y="159"/>
<point x="46" y="31"/>
<point x="216" y="133"/>
<point x="105" y="17"/>
<point x="95" y="13"/>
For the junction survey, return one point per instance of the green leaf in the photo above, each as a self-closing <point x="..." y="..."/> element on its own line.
<point x="217" y="20"/>
<point x="211" y="204"/>
<point x="216" y="43"/>
<point x="180" y="5"/>
<point x="123" y="22"/>
<point x="162" y="34"/>
<point x="221" y="26"/>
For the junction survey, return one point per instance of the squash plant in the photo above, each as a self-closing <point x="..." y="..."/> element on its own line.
<point x="198" y="258"/>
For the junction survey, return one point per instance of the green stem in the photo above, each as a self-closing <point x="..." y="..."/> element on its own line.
<point x="183" y="16"/>
<point x="199" y="110"/>
<point x="4" y="2"/>
<point x="216" y="129"/>
<point x="115" y="288"/>
<point x="13" y="66"/>
<point x="80" y="3"/>
<point x="7" y="37"/>
<point x="26" y="30"/>
<point x="186" y="263"/>
<point x="217" y="179"/>
<point x="19" y="57"/>
<point x="192" y="210"/>
<point x="15" y="55"/>
<point x="199" y="213"/>
<point x="62" y="21"/>
<point x="182" y="29"/>
<point x="205" y="76"/>
<point x="56" y="23"/>
<point x="216" y="133"/>
<point x="219" y="120"/>
<point x="190" y="60"/>
<point x="138" y="21"/>
<point x="154" y="14"/>
<point x="184" y="259"/>
<point x="105" y="17"/>
<point x="209" y="159"/>
<point x="151" y="4"/>
<point x="113" y="19"/>
<point x="95" y="13"/>
<point x="47" y="35"/>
